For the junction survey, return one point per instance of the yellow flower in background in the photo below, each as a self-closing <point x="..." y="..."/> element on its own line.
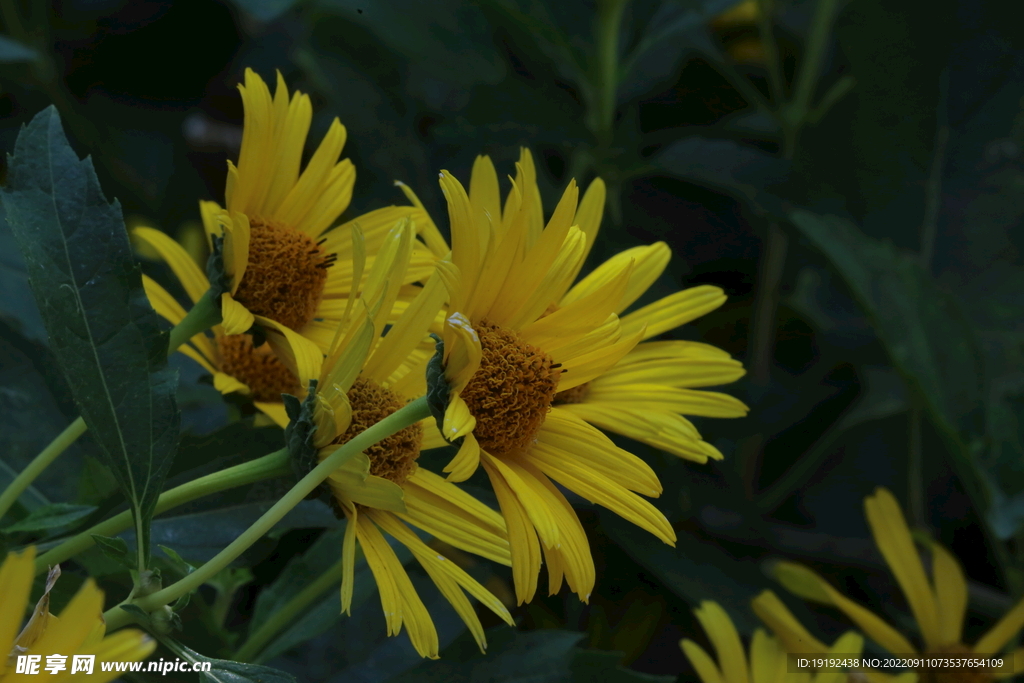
<point x="365" y="378"/>
<point x="78" y="631"/>
<point x="282" y="263"/>
<point x="938" y="603"/>
<point x="232" y="360"/>
<point x="767" y="662"/>
<point x="509" y="350"/>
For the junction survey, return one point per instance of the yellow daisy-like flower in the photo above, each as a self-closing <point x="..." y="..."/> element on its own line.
<point x="768" y="658"/>
<point x="78" y="631"/>
<point x="280" y="264"/>
<point x="938" y="603"/>
<point x="365" y="378"/>
<point x="509" y="349"/>
<point x="235" y="364"/>
<point x="646" y="394"/>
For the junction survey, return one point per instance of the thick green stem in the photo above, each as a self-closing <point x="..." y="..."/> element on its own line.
<point x="269" y="466"/>
<point x="609" y="22"/>
<point x="280" y="619"/>
<point x="204" y="315"/>
<point x="400" y="419"/>
<point x="40" y="463"/>
<point x="201" y="317"/>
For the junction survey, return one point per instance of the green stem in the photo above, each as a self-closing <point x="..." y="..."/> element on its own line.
<point x="609" y="22"/>
<point x="286" y="614"/>
<point x="204" y="315"/>
<point x="40" y="463"/>
<point x="813" y="61"/>
<point x="765" y="15"/>
<point x="269" y="466"/>
<point x="400" y="419"/>
<point x="201" y="317"/>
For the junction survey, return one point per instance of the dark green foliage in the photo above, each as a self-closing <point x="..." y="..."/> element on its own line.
<point x="99" y="321"/>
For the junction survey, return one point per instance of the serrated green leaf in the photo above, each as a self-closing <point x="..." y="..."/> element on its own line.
<point x="51" y="516"/>
<point x="13" y="51"/>
<point x="115" y="549"/>
<point x="225" y="671"/>
<point x="102" y="329"/>
<point x="183" y="567"/>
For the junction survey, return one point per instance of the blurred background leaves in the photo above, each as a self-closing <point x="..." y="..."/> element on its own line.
<point x="851" y="173"/>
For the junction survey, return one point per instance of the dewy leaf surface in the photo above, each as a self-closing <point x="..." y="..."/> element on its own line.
<point x="101" y="327"/>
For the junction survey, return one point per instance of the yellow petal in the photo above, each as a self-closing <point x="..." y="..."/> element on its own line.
<point x="236" y="248"/>
<point x="303" y="357"/>
<point x="227" y="384"/>
<point x="673" y="310"/>
<point x="588" y="216"/>
<point x="893" y="539"/>
<point x="348" y="560"/>
<point x="702" y="662"/>
<point x="465" y="462"/>
<point x="1000" y="634"/>
<point x="951" y="594"/>
<point x="725" y="639"/>
<point x="581" y="369"/>
<point x="181" y="264"/>
<point x="16" y="574"/>
<point x="459" y="422"/>
<point x="444" y="510"/>
<point x="649" y="261"/>
<point x="808" y="585"/>
<point x="462" y="351"/>
<point x="774" y="613"/>
<point x="767" y="659"/>
<point x="522" y="536"/>
<point x="235" y="318"/>
<point x="671" y="399"/>
<point x="428" y="229"/>
<point x="275" y="411"/>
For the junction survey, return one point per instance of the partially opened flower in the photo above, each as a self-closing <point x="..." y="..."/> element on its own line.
<point x="233" y="361"/>
<point x="938" y="602"/>
<point x="365" y="378"/>
<point x="509" y="351"/>
<point x="79" y="630"/>
<point x="280" y="261"/>
<point x="768" y="658"/>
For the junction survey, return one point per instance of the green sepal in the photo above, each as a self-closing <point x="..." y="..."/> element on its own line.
<point x="220" y="281"/>
<point x="438" y="390"/>
<point x="298" y="437"/>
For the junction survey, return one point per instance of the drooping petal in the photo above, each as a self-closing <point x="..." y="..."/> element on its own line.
<point x="181" y="264"/>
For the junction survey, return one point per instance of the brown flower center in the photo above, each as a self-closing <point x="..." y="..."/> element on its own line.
<point x="511" y="393"/>
<point x="285" y="275"/>
<point x="954" y="674"/>
<point x="394" y="458"/>
<point x="259" y="368"/>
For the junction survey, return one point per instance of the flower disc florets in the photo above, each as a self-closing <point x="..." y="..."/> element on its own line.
<point x="512" y="392"/>
<point x="394" y="458"/>
<point x="257" y="367"/>
<point x="285" y="275"/>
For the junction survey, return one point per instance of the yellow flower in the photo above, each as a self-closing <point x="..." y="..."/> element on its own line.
<point x="767" y="663"/>
<point x="235" y="364"/>
<point x="283" y="269"/>
<point x="78" y="631"/>
<point x="510" y="349"/>
<point x="365" y="378"/>
<point x="938" y="603"/>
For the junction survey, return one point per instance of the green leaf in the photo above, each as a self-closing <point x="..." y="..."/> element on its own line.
<point x="17" y="303"/>
<point x="51" y="516"/>
<point x="920" y="325"/>
<point x="225" y="671"/>
<point x="673" y="31"/>
<point x="102" y="329"/>
<point x="115" y="549"/>
<point x="182" y="567"/>
<point x="512" y="657"/>
<point x="725" y="165"/>
<point x="595" y="666"/>
<point x="450" y="40"/>
<point x="13" y="51"/>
